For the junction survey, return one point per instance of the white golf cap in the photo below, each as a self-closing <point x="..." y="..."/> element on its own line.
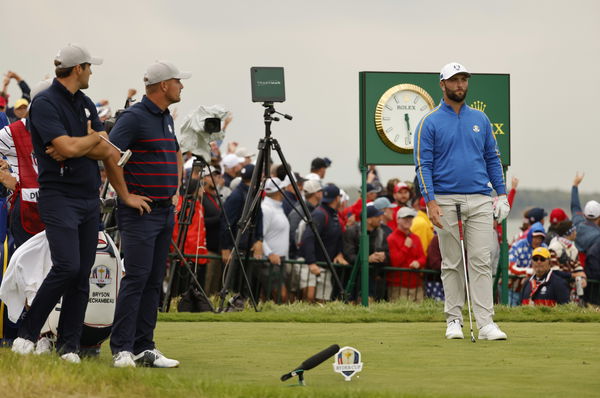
<point x="274" y="182"/>
<point x="231" y="160"/>
<point x="406" y="212"/>
<point x="163" y="70"/>
<point x="74" y="54"/>
<point x="244" y="152"/>
<point x="312" y="186"/>
<point x="591" y="209"/>
<point x="452" y="69"/>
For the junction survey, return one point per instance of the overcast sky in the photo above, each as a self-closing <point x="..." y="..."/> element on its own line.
<point x="551" y="50"/>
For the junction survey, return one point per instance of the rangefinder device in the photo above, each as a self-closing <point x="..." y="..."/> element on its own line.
<point x="268" y="84"/>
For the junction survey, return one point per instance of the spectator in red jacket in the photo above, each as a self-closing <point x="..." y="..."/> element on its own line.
<point x="402" y="196"/>
<point x="406" y="251"/>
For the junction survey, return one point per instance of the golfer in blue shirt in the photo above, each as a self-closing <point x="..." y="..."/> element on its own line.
<point x="456" y="160"/>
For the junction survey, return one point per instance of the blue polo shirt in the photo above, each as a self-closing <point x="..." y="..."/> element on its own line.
<point x="457" y="153"/>
<point x="149" y="133"/>
<point x="56" y="112"/>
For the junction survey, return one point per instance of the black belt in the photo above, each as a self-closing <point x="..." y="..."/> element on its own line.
<point x="161" y="203"/>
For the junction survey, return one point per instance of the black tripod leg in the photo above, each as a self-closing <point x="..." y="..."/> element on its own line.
<point x="192" y="274"/>
<point x="250" y="210"/>
<point x="309" y="220"/>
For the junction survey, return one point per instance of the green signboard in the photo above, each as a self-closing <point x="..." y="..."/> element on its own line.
<point x="391" y="104"/>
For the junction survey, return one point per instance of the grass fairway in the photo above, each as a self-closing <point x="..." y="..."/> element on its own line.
<point x="245" y="359"/>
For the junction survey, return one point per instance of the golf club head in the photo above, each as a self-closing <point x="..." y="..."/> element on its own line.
<point x="124" y="158"/>
<point x="473" y="338"/>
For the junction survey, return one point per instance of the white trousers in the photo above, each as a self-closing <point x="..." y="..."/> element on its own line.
<point x="477" y="217"/>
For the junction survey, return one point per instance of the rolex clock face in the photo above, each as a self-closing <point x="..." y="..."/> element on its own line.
<point x="397" y="113"/>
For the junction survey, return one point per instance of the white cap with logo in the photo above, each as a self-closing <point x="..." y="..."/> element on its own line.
<point x="451" y="69"/>
<point x="591" y="210"/>
<point x="163" y="70"/>
<point x="74" y="54"/>
<point x="405" y="212"/>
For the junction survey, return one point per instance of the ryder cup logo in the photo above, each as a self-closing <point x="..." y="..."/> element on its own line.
<point x="476" y="128"/>
<point x="347" y="362"/>
<point x="101" y="276"/>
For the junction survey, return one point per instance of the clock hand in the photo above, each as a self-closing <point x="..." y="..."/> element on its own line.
<point x="409" y="133"/>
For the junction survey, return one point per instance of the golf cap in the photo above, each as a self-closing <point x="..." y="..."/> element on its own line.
<point x="406" y="212"/>
<point x="371" y="188"/>
<point x="298" y="178"/>
<point x="536" y="214"/>
<point x="244" y="152"/>
<point x="541" y="251"/>
<point x="274" y="182"/>
<point x="21" y="102"/>
<point x="591" y="209"/>
<point x="401" y="185"/>
<point x="161" y="71"/>
<point x="247" y="172"/>
<point x="74" y="54"/>
<point x="384" y="203"/>
<point x="330" y="192"/>
<point x="231" y="160"/>
<point x="2" y="101"/>
<point x="312" y="186"/>
<point x="373" y="211"/>
<point x="451" y="69"/>
<point x="557" y="215"/>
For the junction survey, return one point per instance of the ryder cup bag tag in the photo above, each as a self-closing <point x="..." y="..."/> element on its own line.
<point x="347" y="362"/>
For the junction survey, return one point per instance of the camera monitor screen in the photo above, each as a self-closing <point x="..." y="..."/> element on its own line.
<point x="267" y="84"/>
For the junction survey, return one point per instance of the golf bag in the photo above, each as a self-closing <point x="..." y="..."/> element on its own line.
<point x="31" y="263"/>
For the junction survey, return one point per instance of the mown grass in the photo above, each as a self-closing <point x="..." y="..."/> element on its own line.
<point x="403" y="311"/>
<point x="244" y="359"/>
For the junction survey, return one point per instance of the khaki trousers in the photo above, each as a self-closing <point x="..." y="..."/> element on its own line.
<point x="477" y="216"/>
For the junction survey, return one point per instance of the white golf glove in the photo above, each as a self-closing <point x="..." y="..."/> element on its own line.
<point x="501" y="208"/>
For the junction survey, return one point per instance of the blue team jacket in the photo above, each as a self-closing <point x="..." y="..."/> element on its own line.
<point x="457" y="153"/>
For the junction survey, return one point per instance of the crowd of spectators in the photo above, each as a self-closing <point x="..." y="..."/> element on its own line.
<point x="281" y="249"/>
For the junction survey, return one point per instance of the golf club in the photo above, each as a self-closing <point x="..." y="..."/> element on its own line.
<point x="462" y="250"/>
<point x="124" y="155"/>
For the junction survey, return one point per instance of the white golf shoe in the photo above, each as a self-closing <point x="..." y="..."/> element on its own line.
<point x="123" y="359"/>
<point x="23" y="346"/>
<point x="43" y="346"/>
<point x="491" y="331"/>
<point x="454" y="330"/>
<point x="71" y="357"/>
<point x="155" y="359"/>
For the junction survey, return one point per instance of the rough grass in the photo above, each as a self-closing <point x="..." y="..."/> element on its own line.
<point x="244" y="359"/>
<point x="403" y="311"/>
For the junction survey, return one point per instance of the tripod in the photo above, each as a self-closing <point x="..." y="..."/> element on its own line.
<point x="255" y="193"/>
<point x="186" y="215"/>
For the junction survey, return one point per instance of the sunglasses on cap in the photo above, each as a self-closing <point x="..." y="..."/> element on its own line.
<point x="539" y="258"/>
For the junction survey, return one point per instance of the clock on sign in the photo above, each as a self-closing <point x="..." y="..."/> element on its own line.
<point x="397" y="113"/>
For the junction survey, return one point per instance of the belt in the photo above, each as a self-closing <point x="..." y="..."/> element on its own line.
<point x="161" y="203"/>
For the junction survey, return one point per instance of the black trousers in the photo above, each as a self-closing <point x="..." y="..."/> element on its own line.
<point x="145" y="242"/>
<point x="72" y="233"/>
